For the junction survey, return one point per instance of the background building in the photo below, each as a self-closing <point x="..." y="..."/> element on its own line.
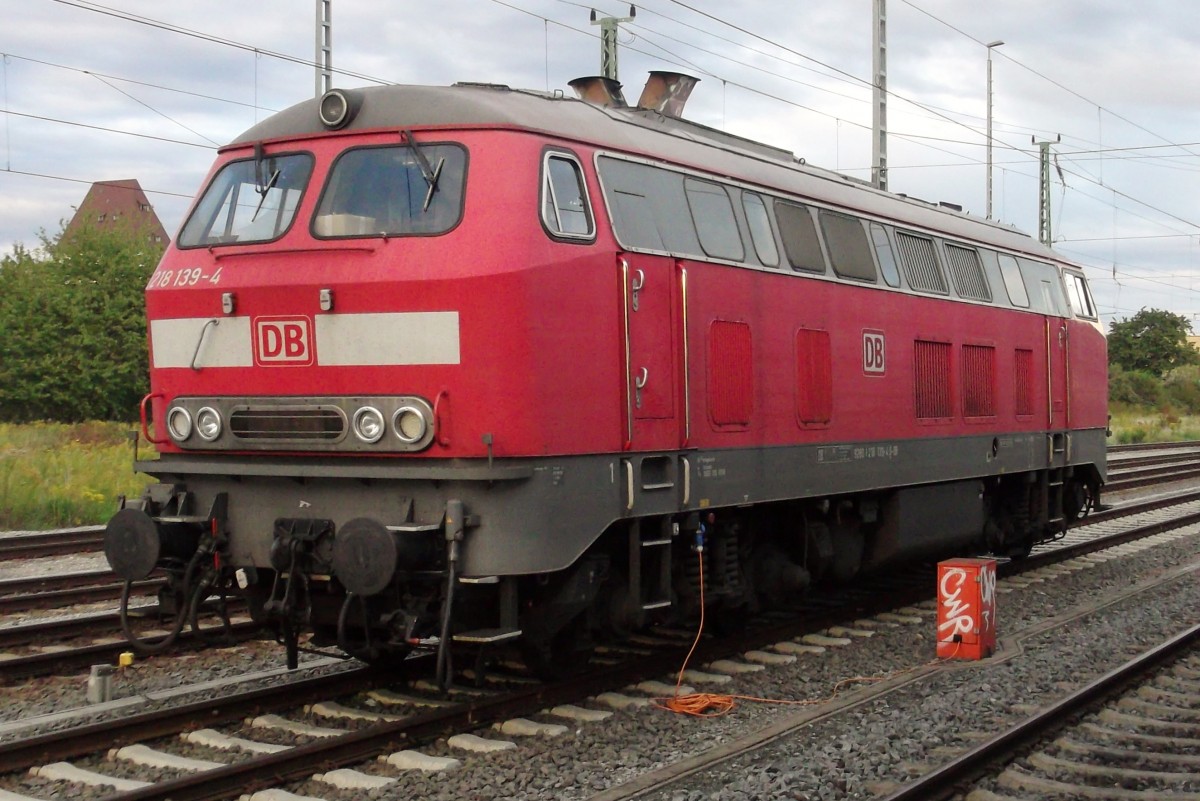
<point x="118" y="203"/>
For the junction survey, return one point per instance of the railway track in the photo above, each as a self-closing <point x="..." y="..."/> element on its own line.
<point x="1123" y="735"/>
<point x="408" y="725"/>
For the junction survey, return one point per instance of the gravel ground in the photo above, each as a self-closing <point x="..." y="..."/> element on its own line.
<point x="861" y="753"/>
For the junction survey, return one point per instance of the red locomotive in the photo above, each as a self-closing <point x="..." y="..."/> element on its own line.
<point x="471" y="365"/>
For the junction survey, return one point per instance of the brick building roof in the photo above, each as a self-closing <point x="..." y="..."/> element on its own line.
<point x="113" y="203"/>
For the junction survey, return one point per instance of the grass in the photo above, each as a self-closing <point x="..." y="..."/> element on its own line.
<point x="55" y="475"/>
<point x="1136" y="425"/>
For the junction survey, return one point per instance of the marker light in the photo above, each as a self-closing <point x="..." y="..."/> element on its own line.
<point x="409" y="424"/>
<point x="179" y="423"/>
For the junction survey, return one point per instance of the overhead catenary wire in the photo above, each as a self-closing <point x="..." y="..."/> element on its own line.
<point x="647" y="32"/>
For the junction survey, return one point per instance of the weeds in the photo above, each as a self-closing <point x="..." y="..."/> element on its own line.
<point x="54" y="475"/>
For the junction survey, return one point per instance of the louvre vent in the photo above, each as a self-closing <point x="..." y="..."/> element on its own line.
<point x="919" y="257"/>
<point x="730" y="373"/>
<point x="969" y="281"/>
<point x="979" y="380"/>
<point x="814" y="377"/>
<point x="1023" y="372"/>
<point x="931" y="376"/>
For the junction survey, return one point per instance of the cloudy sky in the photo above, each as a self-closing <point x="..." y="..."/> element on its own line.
<point x="147" y="90"/>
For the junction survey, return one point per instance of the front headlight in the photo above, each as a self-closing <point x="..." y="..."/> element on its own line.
<point x="179" y="423"/>
<point x="208" y="423"/>
<point x="368" y="424"/>
<point x="409" y="424"/>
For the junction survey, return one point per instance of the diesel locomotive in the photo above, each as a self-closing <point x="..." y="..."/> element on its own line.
<point x="457" y="367"/>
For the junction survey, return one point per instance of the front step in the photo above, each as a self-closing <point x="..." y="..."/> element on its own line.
<point x="487" y="636"/>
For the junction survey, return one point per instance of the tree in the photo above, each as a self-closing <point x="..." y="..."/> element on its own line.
<point x="73" y="326"/>
<point x="1152" y="341"/>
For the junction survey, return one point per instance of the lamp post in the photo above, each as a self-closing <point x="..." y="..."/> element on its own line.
<point x="990" y="45"/>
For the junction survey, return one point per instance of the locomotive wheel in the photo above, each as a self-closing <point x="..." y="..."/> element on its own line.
<point x="564" y="654"/>
<point x="622" y="615"/>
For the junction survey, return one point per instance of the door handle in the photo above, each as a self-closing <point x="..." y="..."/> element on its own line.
<point x="638" y="382"/>
<point x="639" y="281"/>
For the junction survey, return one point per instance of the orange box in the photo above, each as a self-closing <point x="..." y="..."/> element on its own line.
<point x="966" y="620"/>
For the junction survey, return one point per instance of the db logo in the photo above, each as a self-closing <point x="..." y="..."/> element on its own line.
<point x="873" y="353"/>
<point x="283" y="340"/>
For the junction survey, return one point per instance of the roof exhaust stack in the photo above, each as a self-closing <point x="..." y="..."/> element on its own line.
<point x="599" y="91"/>
<point x="667" y="92"/>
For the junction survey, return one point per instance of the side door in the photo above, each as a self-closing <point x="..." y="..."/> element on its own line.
<point x="649" y="310"/>
<point x="1057" y="352"/>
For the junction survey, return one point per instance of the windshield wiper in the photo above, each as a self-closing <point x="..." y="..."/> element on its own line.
<point x="259" y="186"/>
<point x="262" y="191"/>
<point x="431" y="174"/>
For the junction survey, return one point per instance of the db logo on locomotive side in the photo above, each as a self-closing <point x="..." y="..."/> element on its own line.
<point x="873" y="353"/>
<point x="283" y="340"/>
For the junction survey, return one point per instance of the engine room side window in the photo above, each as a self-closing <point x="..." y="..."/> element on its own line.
<point x="649" y="207"/>
<point x="712" y="212"/>
<point x="1077" y="295"/>
<point x="800" y="241"/>
<point x="1045" y="283"/>
<point x="848" y="249"/>
<point x="967" y="272"/>
<point x="760" y="229"/>
<point x="248" y="201"/>
<point x="633" y="220"/>
<point x="921" y="268"/>
<point x="886" y="254"/>
<point x="1013" y="282"/>
<point x="565" y="209"/>
<point x="412" y="188"/>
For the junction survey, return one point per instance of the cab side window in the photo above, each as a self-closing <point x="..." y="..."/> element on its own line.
<point x="1078" y="296"/>
<point x="565" y="210"/>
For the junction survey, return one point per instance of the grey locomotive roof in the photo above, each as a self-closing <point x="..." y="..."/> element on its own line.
<point x="641" y="132"/>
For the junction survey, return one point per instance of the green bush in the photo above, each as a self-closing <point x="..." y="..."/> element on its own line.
<point x="1132" y="436"/>
<point x="1182" y="389"/>
<point x="1133" y="388"/>
<point x="73" y="327"/>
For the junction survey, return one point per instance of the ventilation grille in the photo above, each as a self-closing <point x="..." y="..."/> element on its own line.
<point x="322" y="424"/>
<point x="1023" y="374"/>
<point x="931" y="376"/>
<point x="969" y="281"/>
<point x="979" y="380"/>
<point x="814" y="377"/>
<point x="730" y="374"/>
<point x="921" y="263"/>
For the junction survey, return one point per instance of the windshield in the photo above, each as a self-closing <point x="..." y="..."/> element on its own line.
<point x="394" y="190"/>
<point x="249" y="201"/>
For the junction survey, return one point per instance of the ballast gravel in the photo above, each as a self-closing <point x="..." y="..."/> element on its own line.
<point x="860" y="753"/>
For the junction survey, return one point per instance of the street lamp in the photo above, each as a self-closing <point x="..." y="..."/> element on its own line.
<point x="989" y="46"/>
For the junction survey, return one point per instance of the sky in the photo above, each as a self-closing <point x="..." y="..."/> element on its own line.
<point x="148" y="90"/>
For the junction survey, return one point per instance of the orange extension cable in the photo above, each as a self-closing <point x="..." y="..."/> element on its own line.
<point x="711" y="705"/>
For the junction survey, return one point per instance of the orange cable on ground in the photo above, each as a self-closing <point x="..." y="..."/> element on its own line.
<point x="711" y="705"/>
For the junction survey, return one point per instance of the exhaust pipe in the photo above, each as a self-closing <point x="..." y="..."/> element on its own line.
<point x="667" y="92"/>
<point x="599" y="91"/>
